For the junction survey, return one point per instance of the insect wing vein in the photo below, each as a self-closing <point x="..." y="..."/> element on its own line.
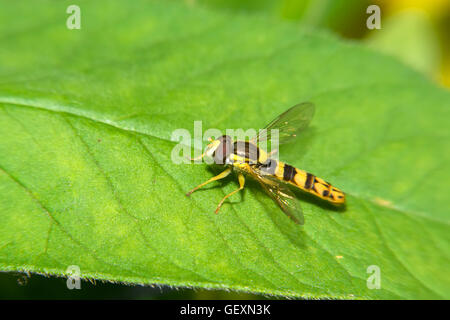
<point x="281" y="194"/>
<point x="289" y="124"/>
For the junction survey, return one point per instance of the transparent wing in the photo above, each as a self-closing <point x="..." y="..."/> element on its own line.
<point x="281" y="194"/>
<point x="289" y="124"/>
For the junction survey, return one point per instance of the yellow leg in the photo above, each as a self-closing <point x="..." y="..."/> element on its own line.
<point x="200" y="156"/>
<point x="241" y="186"/>
<point x="218" y="177"/>
<point x="196" y="158"/>
<point x="271" y="153"/>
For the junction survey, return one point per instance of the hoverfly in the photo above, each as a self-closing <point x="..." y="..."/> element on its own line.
<point x="247" y="158"/>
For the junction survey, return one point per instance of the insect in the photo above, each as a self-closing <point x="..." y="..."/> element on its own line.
<point x="248" y="159"/>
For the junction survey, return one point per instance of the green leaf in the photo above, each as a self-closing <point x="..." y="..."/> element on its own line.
<point x="86" y="176"/>
<point x="346" y="17"/>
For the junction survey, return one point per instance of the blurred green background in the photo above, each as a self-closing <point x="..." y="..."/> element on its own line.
<point x="414" y="31"/>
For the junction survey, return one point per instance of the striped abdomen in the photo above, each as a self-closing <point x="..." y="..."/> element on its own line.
<point x="304" y="180"/>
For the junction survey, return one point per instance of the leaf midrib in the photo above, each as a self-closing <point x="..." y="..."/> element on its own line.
<point x="27" y="103"/>
<point x="208" y="281"/>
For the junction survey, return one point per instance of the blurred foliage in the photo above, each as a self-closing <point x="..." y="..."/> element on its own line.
<point x="424" y="27"/>
<point x="343" y="16"/>
<point x="416" y="31"/>
<point x="409" y="35"/>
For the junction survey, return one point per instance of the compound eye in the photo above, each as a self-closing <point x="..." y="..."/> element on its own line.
<point x="223" y="150"/>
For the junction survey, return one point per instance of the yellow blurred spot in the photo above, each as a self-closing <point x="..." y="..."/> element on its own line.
<point x="383" y="202"/>
<point x="433" y="7"/>
<point x="445" y="74"/>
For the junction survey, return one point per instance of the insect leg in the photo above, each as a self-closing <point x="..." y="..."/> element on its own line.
<point x="200" y="156"/>
<point x="218" y="177"/>
<point x="271" y="153"/>
<point x="241" y="186"/>
<point x="196" y="158"/>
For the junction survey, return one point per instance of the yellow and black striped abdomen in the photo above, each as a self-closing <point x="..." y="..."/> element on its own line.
<point x="303" y="180"/>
